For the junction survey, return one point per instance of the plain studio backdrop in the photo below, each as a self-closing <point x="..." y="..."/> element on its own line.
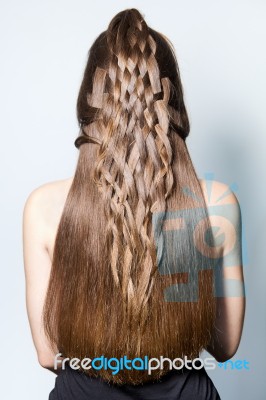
<point x="220" y="47"/>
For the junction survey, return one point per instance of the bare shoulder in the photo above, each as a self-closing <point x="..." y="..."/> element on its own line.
<point x="224" y="211"/>
<point x="47" y="201"/>
<point x="218" y="193"/>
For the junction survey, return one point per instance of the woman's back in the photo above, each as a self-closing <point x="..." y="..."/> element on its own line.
<point x="73" y="384"/>
<point x="125" y="249"/>
<point x="53" y="196"/>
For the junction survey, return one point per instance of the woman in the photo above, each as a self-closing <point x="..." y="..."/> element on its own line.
<point x="121" y="259"/>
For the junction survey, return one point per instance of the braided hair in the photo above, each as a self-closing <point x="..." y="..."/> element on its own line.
<point x="107" y="291"/>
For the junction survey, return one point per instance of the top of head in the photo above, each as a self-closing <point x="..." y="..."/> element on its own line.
<point x="137" y="66"/>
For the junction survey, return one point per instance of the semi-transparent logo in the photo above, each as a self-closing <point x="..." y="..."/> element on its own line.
<point x="181" y="247"/>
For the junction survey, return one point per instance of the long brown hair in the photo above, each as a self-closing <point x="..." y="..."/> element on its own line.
<point x="125" y="276"/>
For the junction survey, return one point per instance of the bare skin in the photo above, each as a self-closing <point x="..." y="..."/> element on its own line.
<point x="41" y="216"/>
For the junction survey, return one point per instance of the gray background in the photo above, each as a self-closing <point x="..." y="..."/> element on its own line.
<point x="220" y="48"/>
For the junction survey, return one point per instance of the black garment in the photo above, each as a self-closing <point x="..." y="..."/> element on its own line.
<point x="183" y="384"/>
